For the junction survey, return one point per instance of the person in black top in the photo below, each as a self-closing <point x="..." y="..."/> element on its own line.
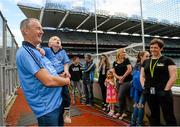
<point x="76" y="77"/>
<point x="122" y="69"/>
<point x="103" y="67"/>
<point x="158" y="75"/>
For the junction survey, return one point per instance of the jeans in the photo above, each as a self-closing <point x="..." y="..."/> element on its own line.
<point x="66" y="96"/>
<point x="88" y="85"/>
<point x="138" y="112"/>
<point x="79" y="86"/>
<point x="54" y="118"/>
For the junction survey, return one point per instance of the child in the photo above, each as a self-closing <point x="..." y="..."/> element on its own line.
<point x="111" y="97"/>
<point x="60" y="61"/>
<point x="137" y="91"/>
<point x="76" y="77"/>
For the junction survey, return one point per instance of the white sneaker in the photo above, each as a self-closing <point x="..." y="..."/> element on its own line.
<point x="67" y="117"/>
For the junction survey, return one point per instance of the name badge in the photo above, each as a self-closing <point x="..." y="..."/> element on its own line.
<point x="152" y="90"/>
<point x="160" y="64"/>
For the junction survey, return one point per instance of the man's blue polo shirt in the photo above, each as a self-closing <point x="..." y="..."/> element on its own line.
<point x="58" y="58"/>
<point x="42" y="99"/>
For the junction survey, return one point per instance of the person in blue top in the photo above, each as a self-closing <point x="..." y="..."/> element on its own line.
<point x="60" y="61"/>
<point x="39" y="80"/>
<point x="136" y="92"/>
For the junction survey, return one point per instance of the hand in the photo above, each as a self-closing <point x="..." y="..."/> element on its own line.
<point x="42" y="52"/>
<point x="66" y="74"/>
<point x="121" y="79"/>
<point x="67" y="80"/>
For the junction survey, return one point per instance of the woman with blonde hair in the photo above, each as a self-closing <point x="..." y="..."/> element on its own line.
<point x="122" y="71"/>
<point x="103" y="67"/>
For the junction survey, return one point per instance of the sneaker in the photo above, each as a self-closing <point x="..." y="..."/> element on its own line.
<point x="104" y="109"/>
<point x="123" y="116"/>
<point x="83" y="96"/>
<point x="67" y="117"/>
<point x="111" y="113"/>
<point x="89" y="105"/>
<point x="117" y="115"/>
<point x="83" y="103"/>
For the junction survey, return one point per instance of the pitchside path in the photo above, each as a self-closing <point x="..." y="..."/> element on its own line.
<point x="21" y="115"/>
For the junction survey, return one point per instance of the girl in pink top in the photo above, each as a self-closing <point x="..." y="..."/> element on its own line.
<point x="111" y="96"/>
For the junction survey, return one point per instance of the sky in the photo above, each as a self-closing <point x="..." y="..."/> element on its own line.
<point x="170" y="9"/>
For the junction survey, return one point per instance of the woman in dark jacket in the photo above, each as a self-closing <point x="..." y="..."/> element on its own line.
<point x="103" y="66"/>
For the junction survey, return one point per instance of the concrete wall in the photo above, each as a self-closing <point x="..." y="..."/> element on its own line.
<point x="176" y="97"/>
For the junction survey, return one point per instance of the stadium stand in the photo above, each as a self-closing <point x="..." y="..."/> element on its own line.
<point x="78" y="43"/>
<point x="66" y="23"/>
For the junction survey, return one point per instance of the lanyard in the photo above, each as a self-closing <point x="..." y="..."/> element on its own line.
<point x="152" y="67"/>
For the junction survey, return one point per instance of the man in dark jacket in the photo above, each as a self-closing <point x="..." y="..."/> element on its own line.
<point x="88" y="78"/>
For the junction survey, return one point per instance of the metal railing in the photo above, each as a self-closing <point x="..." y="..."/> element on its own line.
<point x="8" y="71"/>
<point x="8" y="85"/>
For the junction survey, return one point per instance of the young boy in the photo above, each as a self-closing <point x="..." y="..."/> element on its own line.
<point x="75" y="70"/>
<point x="60" y="61"/>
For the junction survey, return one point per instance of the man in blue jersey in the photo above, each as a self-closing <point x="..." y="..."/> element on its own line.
<point x="39" y="80"/>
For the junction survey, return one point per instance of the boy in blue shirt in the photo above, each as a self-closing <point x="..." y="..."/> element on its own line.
<point x="60" y="61"/>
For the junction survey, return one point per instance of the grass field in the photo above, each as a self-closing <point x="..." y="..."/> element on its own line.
<point x="178" y="80"/>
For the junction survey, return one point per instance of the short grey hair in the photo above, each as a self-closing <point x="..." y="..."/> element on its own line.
<point x="88" y="55"/>
<point x="25" y="23"/>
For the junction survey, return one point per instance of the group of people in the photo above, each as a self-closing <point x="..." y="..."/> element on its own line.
<point x="82" y="77"/>
<point x="150" y="80"/>
<point x="45" y="74"/>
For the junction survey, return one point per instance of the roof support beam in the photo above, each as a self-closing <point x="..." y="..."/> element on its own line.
<point x="63" y="20"/>
<point x="169" y="32"/>
<point x="41" y="15"/>
<point x="103" y="22"/>
<point x="158" y="30"/>
<point x="84" y="21"/>
<point x="146" y="28"/>
<point x="117" y="26"/>
<point x="176" y="34"/>
<point x="131" y="27"/>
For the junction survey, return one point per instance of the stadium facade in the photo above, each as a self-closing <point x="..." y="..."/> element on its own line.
<point x="76" y="29"/>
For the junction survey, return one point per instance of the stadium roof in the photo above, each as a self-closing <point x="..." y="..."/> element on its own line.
<point x="59" y="17"/>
